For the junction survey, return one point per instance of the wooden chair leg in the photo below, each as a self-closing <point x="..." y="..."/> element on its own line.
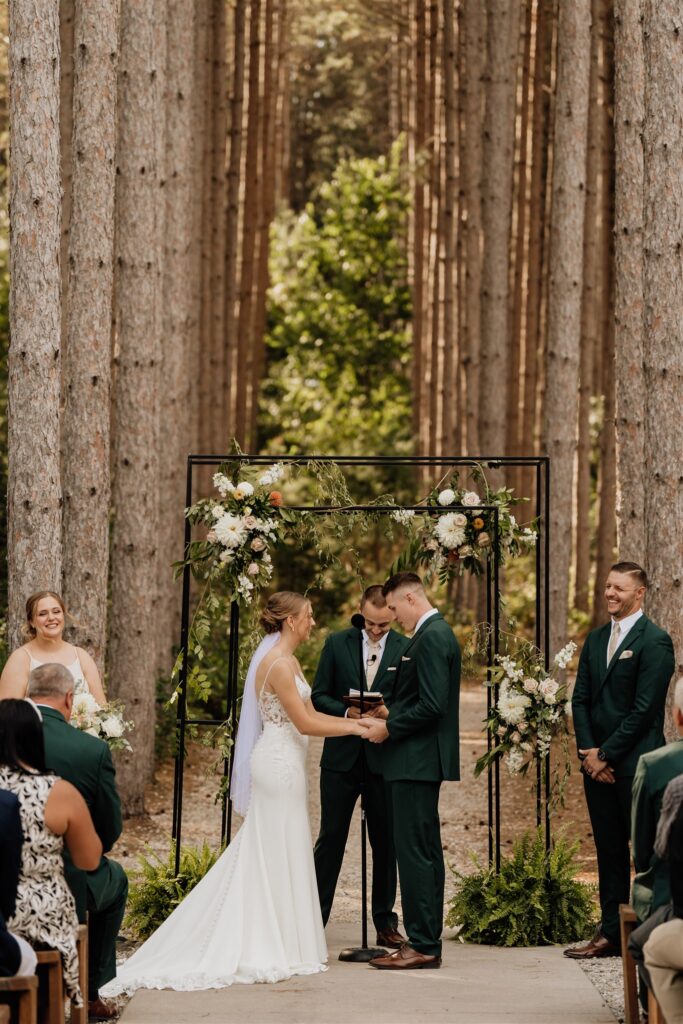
<point x="627" y="924"/>
<point x="50" y="963"/>
<point x="23" y="989"/>
<point x="79" y="1014"/>
<point x="5" y="1015"/>
<point x="654" y="1010"/>
<point x="28" y="1005"/>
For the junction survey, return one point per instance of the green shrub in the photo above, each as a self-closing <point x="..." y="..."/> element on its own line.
<point x="156" y="890"/>
<point x="534" y="900"/>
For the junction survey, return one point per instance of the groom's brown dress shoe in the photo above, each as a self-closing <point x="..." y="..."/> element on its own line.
<point x="391" y="938"/>
<point x="405" y="959"/>
<point x="597" y="947"/>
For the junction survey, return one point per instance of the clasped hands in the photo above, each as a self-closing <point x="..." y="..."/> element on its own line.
<point x="599" y="771"/>
<point x="373" y="721"/>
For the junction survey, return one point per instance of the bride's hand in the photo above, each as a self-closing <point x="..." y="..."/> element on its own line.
<point x="359" y="727"/>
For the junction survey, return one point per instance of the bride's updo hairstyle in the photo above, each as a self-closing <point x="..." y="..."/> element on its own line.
<point x="278" y="609"/>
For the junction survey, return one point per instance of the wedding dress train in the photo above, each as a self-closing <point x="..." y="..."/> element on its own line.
<point x="255" y="917"/>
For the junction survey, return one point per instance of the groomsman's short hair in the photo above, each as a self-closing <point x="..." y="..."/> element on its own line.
<point x="50" y="680"/>
<point x="399" y="580"/>
<point x="374" y="595"/>
<point x="631" y="569"/>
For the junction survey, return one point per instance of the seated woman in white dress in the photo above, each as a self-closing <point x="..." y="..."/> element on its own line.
<point x="256" y="915"/>
<point x="45" y="620"/>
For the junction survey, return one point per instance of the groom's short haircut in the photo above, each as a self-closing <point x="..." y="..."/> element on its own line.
<point x="401" y="580"/>
<point x="631" y="569"/>
<point x="373" y="595"/>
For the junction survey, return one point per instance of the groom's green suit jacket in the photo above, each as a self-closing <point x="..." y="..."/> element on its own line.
<point x="620" y="707"/>
<point x="338" y="672"/>
<point x="423" y="723"/>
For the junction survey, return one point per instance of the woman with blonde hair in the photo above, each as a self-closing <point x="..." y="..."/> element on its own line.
<point x="46" y="617"/>
<point x="255" y="916"/>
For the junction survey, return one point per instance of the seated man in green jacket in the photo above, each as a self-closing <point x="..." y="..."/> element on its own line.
<point x="86" y="762"/>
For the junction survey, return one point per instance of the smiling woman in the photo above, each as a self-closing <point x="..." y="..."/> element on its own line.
<point x="46" y="616"/>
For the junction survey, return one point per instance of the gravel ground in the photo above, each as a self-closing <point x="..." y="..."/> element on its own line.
<point x="463" y="809"/>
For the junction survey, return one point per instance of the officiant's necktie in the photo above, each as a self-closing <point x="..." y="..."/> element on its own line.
<point x="613" y="641"/>
<point x="372" y="664"/>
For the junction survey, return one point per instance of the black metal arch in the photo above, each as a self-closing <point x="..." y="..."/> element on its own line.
<point x="541" y="505"/>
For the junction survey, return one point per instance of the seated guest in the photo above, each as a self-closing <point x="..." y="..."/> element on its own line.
<point x="668" y="848"/>
<point x="52" y="812"/>
<point x="653" y="774"/>
<point x="86" y="762"/>
<point x="46" y="617"/>
<point x="664" y="949"/>
<point x="16" y="956"/>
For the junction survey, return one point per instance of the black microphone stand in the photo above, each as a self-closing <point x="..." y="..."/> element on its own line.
<point x="361" y="954"/>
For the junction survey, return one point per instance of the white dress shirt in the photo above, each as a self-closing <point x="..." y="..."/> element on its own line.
<point x="625" y="625"/>
<point x="423" y="618"/>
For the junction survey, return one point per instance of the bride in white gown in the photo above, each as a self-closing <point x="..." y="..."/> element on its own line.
<point x="255" y="916"/>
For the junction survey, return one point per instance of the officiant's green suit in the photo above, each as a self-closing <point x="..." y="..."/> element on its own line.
<point x="422" y="751"/>
<point x="619" y="708"/>
<point x="341" y="771"/>
<point x="85" y="761"/>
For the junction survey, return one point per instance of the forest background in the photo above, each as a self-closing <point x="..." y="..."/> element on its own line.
<point x="388" y="227"/>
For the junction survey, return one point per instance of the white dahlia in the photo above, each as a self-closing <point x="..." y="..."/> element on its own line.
<point x="449" y="531"/>
<point x="230" y="531"/>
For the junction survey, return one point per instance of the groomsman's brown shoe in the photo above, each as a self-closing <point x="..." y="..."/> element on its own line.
<point x="391" y="938"/>
<point x="405" y="959"/>
<point x="598" y="946"/>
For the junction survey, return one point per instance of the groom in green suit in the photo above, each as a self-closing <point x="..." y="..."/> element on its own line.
<point x="85" y="761"/>
<point x="618" y="708"/>
<point x="342" y="769"/>
<point x="420" y="730"/>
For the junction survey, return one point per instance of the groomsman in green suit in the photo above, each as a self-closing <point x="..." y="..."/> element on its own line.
<point x="342" y="767"/>
<point x="618" y="707"/>
<point x="85" y="761"/>
<point x="420" y="733"/>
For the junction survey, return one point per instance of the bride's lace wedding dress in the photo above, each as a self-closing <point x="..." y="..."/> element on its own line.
<point x="255" y="916"/>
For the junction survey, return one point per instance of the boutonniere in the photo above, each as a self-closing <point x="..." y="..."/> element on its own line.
<point x="625" y="654"/>
<point x="403" y="658"/>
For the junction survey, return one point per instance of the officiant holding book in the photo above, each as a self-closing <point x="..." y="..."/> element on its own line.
<point x="342" y="768"/>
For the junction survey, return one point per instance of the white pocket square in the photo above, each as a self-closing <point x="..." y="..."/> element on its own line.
<point x="391" y="668"/>
<point x="403" y="658"/>
<point x="625" y="654"/>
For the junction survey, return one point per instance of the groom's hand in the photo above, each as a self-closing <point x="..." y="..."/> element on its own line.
<point x="379" y="712"/>
<point x="377" y="731"/>
<point x="353" y="712"/>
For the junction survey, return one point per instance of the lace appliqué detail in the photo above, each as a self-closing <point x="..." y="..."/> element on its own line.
<point x="271" y="708"/>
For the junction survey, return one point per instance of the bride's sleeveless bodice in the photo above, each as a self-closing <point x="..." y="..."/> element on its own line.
<point x="272" y="711"/>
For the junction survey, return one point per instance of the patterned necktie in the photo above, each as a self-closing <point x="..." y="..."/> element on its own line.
<point x="372" y="664"/>
<point x="613" y="641"/>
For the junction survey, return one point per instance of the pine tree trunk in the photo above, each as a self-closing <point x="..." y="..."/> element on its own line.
<point x="497" y="174"/>
<point x="87" y="345"/>
<point x="663" y="328"/>
<point x="33" y="477"/>
<point x="474" y="25"/>
<point x="132" y="650"/>
<point x="628" y="237"/>
<point x="233" y="211"/>
<point x="419" y="217"/>
<point x="66" y="127"/>
<point x="205" y="26"/>
<point x="564" y="296"/>
<point x="451" y="411"/>
<point x="218" y="129"/>
<point x="590" y="338"/>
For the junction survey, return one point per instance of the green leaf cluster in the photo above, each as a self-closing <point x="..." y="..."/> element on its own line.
<point x="156" y="890"/>
<point x="534" y="900"/>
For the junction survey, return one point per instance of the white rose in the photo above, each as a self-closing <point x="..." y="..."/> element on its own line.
<point x="112" y="726"/>
<point x="470" y="498"/>
<point x="252" y="569"/>
<point x="257" y="544"/>
<point x="530" y="685"/>
<point x="515" y="737"/>
<point x="446" y="497"/>
<point x="483" y="540"/>
<point x="465" y="550"/>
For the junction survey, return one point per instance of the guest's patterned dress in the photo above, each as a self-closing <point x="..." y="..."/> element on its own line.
<point x="45" y="914"/>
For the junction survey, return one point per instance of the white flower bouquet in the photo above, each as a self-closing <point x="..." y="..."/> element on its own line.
<point x="531" y="708"/>
<point x="107" y="723"/>
<point x="243" y="524"/>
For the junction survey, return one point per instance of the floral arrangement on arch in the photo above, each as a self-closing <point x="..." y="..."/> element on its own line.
<point x="459" y="541"/>
<point x="107" y="723"/>
<point x="531" y="708"/>
<point x="243" y="525"/>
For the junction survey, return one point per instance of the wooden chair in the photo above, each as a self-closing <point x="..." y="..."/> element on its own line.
<point x="654" y="1010"/>
<point x="25" y="991"/>
<point x="627" y="923"/>
<point x="50" y="960"/>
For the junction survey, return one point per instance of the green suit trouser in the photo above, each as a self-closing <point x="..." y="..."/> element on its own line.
<point x="421" y="871"/>
<point x="339" y="792"/>
<point x="103" y="894"/>
<point x="609" y="807"/>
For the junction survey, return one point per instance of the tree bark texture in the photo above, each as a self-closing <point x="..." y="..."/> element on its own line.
<point x="218" y="130"/>
<point x="132" y="649"/>
<point x="451" y="411"/>
<point x="66" y="103"/>
<point x="628" y="312"/>
<point x="564" y="297"/>
<point x="33" y="485"/>
<point x="87" y="345"/>
<point x="663" y="327"/>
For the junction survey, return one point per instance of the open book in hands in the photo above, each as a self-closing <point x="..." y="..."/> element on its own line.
<point x="371" y="698"/>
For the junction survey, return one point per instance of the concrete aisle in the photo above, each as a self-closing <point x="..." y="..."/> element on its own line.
<point x="476" y="985"/>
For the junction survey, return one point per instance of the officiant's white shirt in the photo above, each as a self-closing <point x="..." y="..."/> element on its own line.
<point x="381" y="643"/>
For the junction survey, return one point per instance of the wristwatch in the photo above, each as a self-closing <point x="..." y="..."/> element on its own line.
<point x="602" y="756"/>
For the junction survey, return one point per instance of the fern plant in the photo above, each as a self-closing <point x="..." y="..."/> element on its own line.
<point x="534" y="900"/>
<point x="156" y="889"/>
